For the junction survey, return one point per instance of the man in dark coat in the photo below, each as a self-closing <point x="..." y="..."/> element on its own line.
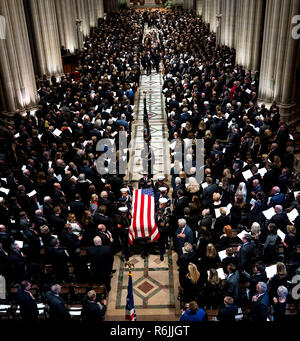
<point x="183" y="234"/>
<point x="245" y="254"/>
<point x="232" y="282"/>
<point x="28" y="306"/>
<point x="260" y="303"/>
<point x="58" y="257"/>
<point x="57" y="309"/>
<point x="93" y="311"/>
<point x="101" y="259"/>
<point x="77" y="207"/>
<point x="228" y="313"/>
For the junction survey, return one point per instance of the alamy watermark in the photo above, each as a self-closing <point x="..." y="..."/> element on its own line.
<point x="296" y="29"/>
<point x="188" y="155"/>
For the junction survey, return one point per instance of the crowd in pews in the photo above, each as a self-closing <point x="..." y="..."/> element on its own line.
<point x="238" y="232"/>
<point x="63" y="216"/>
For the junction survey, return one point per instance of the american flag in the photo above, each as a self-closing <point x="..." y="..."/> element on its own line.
<point x="130" y="310"/>
<point x="143" y="215"/>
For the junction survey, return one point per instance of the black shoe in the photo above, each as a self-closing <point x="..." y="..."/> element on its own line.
<point x="113" y="271"/>
<point x="162" y="258"/>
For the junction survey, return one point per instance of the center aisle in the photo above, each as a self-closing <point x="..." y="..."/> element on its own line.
<point x="158" y="124"/>
<point x="155" y="282"/>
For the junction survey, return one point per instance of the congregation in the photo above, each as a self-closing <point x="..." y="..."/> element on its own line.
<point x="63" y="218"/>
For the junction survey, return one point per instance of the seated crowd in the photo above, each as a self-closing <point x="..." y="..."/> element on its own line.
<point x="62" y="221"/>
<point x="249" y="183"/>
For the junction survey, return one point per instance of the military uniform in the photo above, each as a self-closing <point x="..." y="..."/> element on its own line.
<point x="123" y="220"/>
<point x="163" y="225"/>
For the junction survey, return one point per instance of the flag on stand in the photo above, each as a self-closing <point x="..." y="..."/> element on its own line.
<point x="143" y="215"/>
<point x="130" y="311"/>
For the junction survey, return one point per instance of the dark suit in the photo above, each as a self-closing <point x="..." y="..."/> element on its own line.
<point x="92" y="311"/>
<point x="57" y="310"/>
<point x="32" y="244"/>
<point x="280" y="220"/>
<point x="77" y="207"/>
<point x="259" y="309"/>
<point x="101" y="259"/>
<point x="245" y="256"/>
<point x="18" y="266"/>
<point x="179" y="206"/>
<point x="28" y="305"/>
<point x="57" y="223"/>
<point x="189" y="237"/>
<point x="232" y="285"/>
<point x="277" y="199"/>
<point x="227" y="314"/>
<point x="207" y="195"/>
<point x="59" y="259"/>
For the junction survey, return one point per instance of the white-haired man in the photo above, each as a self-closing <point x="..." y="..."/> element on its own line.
<point x="183" y="234"/>
<point x="260" y="303"/>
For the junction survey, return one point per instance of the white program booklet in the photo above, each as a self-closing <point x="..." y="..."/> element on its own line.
<point x="222" y="255"/>
<point x="280" y="234"/>
<point x="220" y="273"/>
<point x="247" y="174"/>
<point x="269" y="213"/>
<point x="293" y="215"/>
<point x="271" y="270"/>
<point x="242" y="234"/>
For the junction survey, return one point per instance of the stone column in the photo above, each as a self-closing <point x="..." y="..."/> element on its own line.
<point x="111" y="5"/>
<point x="210" y="10"/>
<point x="228" y="22"/>
<point x="66" y="19"/>
<point x="46" y="37"/>
<point x="188" y="4"/>
<point x="82" y="12"/>
<point x="279" y="52"/>
<point x="92" y="13"/>
<point x="16" y="68"/>
<point x="199" y="7"/>
<point x="248" y="40"/>
<point x="100" y="9"/>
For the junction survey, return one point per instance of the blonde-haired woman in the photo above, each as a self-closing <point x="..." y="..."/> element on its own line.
<point x="191" y="283"/>
<point x="192" y="188"/>
<point x="211" y="258"/>
<point x="216" y="205"/>
<point x="280" y="278"/>
<point x="213" y="289"/>
<point x="71" y="219"/>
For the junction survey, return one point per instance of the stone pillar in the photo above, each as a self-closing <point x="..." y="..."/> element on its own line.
<point x="66" y="19"/>
<point x="199" y="7"/>
<point x="46" y="37"/>
<point x="188" y="4"/>
<point x="82" y="12"/>
<point x="228" y="22"/>
<point x="279" y="52"/>
<point x="249" y="25"/>
<point x="111" y="5"/>
<point x="210" y="10"/>
<point x="100" y="9"/>
<point x="92" y="13"/>
<point x="16" y="68"/>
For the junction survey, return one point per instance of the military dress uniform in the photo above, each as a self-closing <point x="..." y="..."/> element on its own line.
<point x="163" y="225"/>
<point x="123" y="220"/>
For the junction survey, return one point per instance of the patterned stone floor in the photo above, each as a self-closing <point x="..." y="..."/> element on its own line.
<point x="155" y="286"/>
